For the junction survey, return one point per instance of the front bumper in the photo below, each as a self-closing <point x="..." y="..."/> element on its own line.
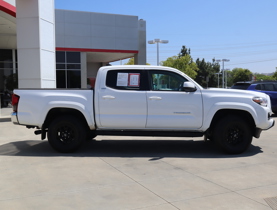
<point x="270" y="124"/>
<point x="258" y="131"/>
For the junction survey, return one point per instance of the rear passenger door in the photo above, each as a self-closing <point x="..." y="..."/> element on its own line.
<point x="122" y="100"/>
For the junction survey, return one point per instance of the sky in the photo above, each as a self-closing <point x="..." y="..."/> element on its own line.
<point x="243" y="31"/>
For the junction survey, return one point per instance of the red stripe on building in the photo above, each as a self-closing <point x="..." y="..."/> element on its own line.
<point x="7" y="8"/>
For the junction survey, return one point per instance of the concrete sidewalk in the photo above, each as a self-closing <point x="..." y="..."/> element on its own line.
<point x="135" y="173"/>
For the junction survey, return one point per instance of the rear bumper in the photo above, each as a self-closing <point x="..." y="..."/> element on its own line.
<point x="14" y="118"/>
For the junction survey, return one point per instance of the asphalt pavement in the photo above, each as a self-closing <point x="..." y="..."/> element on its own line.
<point x="133" y="173"/>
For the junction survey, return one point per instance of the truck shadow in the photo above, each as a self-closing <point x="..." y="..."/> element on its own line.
<point x="155" y="149"/>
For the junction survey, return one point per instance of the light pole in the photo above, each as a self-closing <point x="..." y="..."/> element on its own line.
<point x="218" y="78"/>
<point x="226" y="78"/>
<point x="223" y="60"/>
<point x="221" y="73"/>
<point x="157" y="41"/>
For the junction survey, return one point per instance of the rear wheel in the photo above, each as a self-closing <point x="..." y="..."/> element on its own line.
<point x="233" y="134"/>
<point x="66" y="134"/>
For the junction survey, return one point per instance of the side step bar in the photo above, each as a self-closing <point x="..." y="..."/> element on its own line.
<point x="149" y="133"/>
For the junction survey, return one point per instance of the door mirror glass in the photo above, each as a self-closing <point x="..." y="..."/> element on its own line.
<point x="189" y="87"/>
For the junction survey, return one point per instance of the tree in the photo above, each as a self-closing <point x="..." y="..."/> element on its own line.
<point x="131" y="61"/>
<point x="274" y="76"/>
<point x="184" y="51"/>
<point x="260" y="77"/>
<point x="240" y="74"/>
<point x="207" y="73"/>
<point x="229" y="78"/>
<point x="182" y="63"/>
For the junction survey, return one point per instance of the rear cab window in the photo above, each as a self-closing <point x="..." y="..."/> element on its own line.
<point x="127" y="79"/>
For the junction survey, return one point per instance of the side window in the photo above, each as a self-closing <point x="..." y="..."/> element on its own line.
<point x="166" y="81"/>
<point x="268" y="87"/>
<point x="127" y="80"/>
<point x="258" y="87"/>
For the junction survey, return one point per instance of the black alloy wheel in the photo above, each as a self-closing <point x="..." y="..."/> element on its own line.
<point x="233" y="134"/>
<point x="66" y="133"/>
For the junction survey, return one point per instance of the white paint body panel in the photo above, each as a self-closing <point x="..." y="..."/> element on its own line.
<point x="122" y="109"/>
<point x="34" y="105"/>
<point x="217" y="99"/>
<point x="171" y="110"/>
<point x="142" y="110"/>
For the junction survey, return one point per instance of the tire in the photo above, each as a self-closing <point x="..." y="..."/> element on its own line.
<point x="66" y="134"/>
<point x="233" y="134"/>
<point x="91" y="135"/>
<point x="208" y="136"/>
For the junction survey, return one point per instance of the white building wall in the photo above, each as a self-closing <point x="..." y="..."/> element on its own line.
<point x="91" y="30"/>
<point x="140" y="58"/>
<point x="36" y="44"/>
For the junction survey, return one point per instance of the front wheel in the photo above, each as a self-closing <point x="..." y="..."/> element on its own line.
<point x="91" y="135"/>
<point x="66" y="134"/>
<point x="233" y="134"/>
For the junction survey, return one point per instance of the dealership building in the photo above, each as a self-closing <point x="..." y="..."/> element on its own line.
<point x="44" y="47"/>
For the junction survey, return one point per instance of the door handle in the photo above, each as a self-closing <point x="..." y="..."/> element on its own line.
<point x="155" y="98"/>
<point x="108" y="97"/>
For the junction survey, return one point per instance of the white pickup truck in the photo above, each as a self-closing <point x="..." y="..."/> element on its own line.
<point x="143" y="101"/>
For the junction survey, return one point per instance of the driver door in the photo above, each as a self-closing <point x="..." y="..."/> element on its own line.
<point x="170" y="107"/>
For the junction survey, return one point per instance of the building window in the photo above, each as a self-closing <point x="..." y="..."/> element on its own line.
<point x="68" y="66"/>
<point x="8" y="75"/>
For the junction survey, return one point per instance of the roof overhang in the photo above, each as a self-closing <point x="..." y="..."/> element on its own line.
<point x="7" y="25"/>
<point x="102" y="55"/>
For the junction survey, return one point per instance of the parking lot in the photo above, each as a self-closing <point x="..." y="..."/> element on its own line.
<point x="135" y="173"/>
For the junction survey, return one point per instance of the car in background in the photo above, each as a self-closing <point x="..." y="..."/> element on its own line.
<point x="268" y="87"/>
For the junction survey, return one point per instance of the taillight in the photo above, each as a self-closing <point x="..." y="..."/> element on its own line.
<point x="15" y="100"/>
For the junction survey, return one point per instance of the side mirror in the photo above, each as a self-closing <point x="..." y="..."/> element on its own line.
<point x="189" y="87"/>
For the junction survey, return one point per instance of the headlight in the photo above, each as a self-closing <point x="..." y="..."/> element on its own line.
<point x="260" y="100"/>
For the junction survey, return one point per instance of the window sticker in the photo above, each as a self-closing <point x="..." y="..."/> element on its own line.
<point x="134" y="79"/>
<point x="122" y="79"/>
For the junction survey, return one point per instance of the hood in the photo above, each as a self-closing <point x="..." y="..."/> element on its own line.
<point x="232" y="92"/>
<point x="231" y="96"/>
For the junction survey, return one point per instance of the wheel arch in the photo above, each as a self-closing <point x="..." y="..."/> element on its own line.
<point x="57" y="112"/>
<point x="231" y="112"/>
